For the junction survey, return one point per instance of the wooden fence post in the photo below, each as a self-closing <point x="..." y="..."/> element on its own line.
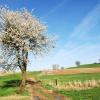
<point x="56" y="82"/>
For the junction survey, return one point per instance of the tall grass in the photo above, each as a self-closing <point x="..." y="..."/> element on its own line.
<point x="77" y="85"/>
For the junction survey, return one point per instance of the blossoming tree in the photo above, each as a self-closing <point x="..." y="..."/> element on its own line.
<point x="21" y="33"/>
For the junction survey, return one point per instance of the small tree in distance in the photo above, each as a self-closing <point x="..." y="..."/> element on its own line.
<point x="62" y="68"/>
<point x="77" y="63"/>
<point x="99" y="61"/>
<point x="21" y="33"/>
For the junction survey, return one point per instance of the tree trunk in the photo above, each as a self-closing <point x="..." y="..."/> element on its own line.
<point x="23" y="82"/>
<point x="23" y="69"/>
<point x="22" y="62"/>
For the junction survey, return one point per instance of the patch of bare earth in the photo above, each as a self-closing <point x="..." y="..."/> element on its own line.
<point x="39" y="93"/>
<point x="74" y="71"/>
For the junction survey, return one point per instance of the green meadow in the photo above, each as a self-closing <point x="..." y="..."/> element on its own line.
<point x="9" y="85"/>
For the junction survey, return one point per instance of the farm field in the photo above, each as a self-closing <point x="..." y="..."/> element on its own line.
<point x="9" y="85"/>
<point x="73" y="77"/>
<point x="50" y="50"/>
<point x="90" y="94"/>
<point x="95" y="65"/>
<point x="76" y="86"/>
<point x="81" y="94"/>
<point x="74" y="71"/>
<point x="86" y="68"/>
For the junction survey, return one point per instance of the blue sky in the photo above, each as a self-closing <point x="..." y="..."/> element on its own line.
<point x="75" y="22"/>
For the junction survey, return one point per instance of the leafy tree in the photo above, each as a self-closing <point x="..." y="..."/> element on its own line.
<point x="62" y="68"/>
<point x="21" y="33"/>
<point x="77" y="63"/>
<point x="99" y="61"/>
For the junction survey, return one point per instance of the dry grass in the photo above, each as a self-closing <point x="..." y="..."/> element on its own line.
<point x="3" y="73"/>
<point x="78" y="85"/>
<point x="74" y="71"/>
<point x="15" y="97"/>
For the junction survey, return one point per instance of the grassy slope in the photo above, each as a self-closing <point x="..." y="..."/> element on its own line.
<point x="66" y="78"/>
<point x="87" y="66"/>
<point x="90" y="94"/>
<point x="9" y="85"/>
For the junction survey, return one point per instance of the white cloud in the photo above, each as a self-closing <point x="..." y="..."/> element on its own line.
<point x="74" y="49"/>
<point x="92" y="19"/>
<point x="55" y="8"/>
<point x="86" y="53"/>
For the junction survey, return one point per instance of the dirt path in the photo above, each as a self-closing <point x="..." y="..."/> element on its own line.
<point x="38" y="92"/>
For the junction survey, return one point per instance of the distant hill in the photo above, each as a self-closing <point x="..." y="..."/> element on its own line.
<point x="87" y="66"/>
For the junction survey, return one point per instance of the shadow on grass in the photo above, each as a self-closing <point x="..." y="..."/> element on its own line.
<point x="11" y="87"/>
<point x="11" y="84"/>
<point x="16" y="83"/>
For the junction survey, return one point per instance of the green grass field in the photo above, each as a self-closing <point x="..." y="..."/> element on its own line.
<point x="87" y="66"/>
<point x="89" y="94"/>
<point x="66" y="78"/>
<point x="9" y="85"/>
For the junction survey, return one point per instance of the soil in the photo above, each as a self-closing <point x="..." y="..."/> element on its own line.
<point x="73" y="71"/>
<point x="38" y="92"/>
